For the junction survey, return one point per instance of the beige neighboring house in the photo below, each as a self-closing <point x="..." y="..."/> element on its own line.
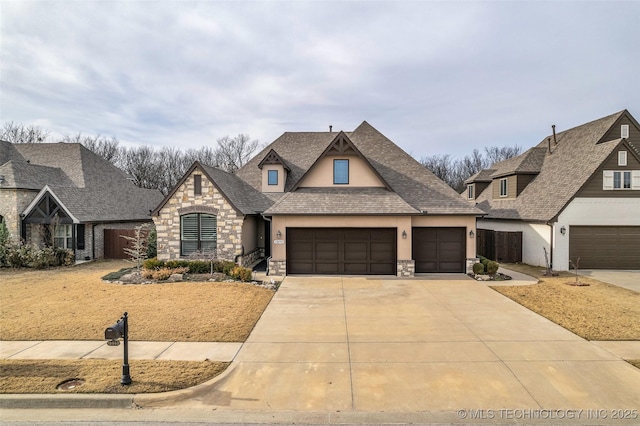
<point x="322" y="203"/>
<point x="575" y="194"/>
<point x="62" y="193"/>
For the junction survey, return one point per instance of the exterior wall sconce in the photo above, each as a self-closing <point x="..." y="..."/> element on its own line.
<point x="278" y="234"/>
<point x="563" y="230"/>
<point x="471" y="234"/>
<point x="404" y="235"/>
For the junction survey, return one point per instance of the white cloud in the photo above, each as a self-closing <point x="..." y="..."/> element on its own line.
<point x="435" y="77"/>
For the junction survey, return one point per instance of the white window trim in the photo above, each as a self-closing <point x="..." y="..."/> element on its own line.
<point x="622" y="158"/>
<point x="471" y="192"/>
<point x="608" y="180"/>
<point x="624" y="131"/>
<point x="506" y="187"/>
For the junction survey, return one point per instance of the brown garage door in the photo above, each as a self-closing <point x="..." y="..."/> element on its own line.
<point x="335" y="251"/>
<point x="605" y="247"/>
<point x="114" y="244"/>
<point x="439" y="249"/>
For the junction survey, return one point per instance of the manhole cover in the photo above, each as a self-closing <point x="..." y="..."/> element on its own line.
<point x="70" y="384"/>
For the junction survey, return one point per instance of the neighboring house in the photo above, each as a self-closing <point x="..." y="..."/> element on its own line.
<point x="575" y="194"/>
<point x="321" y="203"/>
<point x="63" y="193"/>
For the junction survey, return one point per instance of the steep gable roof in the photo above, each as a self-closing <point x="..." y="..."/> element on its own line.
<point x="342" y="145"/>
<point x="243" y="197"/>
<point x="579" y="152"/>
<point x="272" y="157"/>
<point x="415" y="189"/>
<point x="91" y="188"/>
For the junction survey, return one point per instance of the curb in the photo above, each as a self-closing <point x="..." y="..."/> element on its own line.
<point x="104" y="400"/>
<point x="66" y="401"/>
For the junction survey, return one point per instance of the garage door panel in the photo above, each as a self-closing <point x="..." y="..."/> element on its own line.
<point x="353" y="251"/>
<point x="439" y="249"/>
<point x="605" y="247"/>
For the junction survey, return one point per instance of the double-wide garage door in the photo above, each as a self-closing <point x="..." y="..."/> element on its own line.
<point x="605" y="247"/>
<point x="350" y="251"/>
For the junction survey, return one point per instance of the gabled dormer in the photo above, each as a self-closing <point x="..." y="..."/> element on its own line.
<point x="274" y="172"/>
<point x="342" y="165"/>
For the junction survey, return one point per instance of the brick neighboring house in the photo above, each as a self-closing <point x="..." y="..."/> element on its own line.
<point x="65" y="189"/>
<point x="322" y="203"/>
<point x="575" y="194"/>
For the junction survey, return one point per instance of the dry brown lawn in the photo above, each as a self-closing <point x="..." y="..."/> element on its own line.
<point x="75" y="304"/>
<point x="103" y="376"/>
<point x="598" y="311"/>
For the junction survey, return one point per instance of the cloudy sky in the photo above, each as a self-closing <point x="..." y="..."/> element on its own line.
<point x="435" y="77"/>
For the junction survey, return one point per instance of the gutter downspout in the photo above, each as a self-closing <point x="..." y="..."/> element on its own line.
<point x="93" y="241"/>
<point x="550" y="224"/>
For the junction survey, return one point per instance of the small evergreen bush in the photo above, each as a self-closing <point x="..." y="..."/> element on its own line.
<point x="492" y="267"/>
<point x="478" y="268"/>
<point x="153" y="263"/>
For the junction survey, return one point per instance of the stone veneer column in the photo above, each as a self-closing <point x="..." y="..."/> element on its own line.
<point x="406" y="268"/>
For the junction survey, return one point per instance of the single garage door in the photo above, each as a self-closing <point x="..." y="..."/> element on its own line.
<point x="605" y="247"/>
<point x="350" y="251"/>
<point x="439" y="249"/>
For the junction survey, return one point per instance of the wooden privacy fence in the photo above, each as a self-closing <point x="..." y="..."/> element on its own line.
<point x="500" y="246"/>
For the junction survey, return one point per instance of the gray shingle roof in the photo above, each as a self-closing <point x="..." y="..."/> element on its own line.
<point x="243" y="196"/>
<point x="572" y="162"/>
<point x="91" y="188"/>
<point x="409" y="180"/>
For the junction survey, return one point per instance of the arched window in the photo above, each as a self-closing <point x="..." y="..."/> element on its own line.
<point x="198" y="233"/>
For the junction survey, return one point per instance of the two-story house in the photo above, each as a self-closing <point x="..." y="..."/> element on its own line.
<point x="322" y="203"/>
<point x="576" y="195"/>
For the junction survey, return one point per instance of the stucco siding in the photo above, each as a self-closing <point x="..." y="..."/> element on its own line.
<point x="360" y="173"/>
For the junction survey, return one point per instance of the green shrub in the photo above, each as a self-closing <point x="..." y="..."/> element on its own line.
<point x="492" y="267"/>
<point x="176" y="263"/>
<point x="199" y="267"/>
<point x="152" y="243"/>
<point x="153" y="263"/>
<point x="478" y="268"/>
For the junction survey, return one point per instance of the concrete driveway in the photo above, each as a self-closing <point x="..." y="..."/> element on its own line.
<point x="626" y="279"/>
<point x="337" y="344"/>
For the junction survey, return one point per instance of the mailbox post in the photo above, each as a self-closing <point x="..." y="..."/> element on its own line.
<point x="113" y="334"/>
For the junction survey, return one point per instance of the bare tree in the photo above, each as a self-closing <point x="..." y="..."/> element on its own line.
<point x="107" y="148"/>
<point x="455" y="172"/>
<point x="233" y="153"/>
<point x="19" y="133"/>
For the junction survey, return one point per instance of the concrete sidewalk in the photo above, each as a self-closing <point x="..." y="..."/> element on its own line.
<point x="87" y="349"/>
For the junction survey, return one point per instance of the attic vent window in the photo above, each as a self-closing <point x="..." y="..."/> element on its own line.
<point x="622" y="158"/>
<point x="624" y="131"/>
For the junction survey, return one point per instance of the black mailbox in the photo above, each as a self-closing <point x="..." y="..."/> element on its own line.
<point x="115" y="332"/>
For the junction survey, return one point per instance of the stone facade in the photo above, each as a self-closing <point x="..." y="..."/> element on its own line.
<point x="12" y="203"/>
<point x="406" y="268"/>
<point x="98" y="235"/>
<point x="183" y="201"/>
<point x="249" y="259"/>
<point x="277" y="267"/>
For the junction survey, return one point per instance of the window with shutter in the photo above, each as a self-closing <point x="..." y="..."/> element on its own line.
<point x="198" y="233"/>
<point x="607" y="180"/>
